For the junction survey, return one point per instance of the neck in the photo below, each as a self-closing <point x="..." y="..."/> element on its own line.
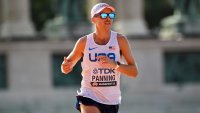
<point x="101" y="36"/>
<point x="102" y="33"/>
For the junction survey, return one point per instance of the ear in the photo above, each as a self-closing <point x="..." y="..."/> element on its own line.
<point x="93" y="20"/>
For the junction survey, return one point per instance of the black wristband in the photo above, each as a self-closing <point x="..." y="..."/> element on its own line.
<point x="118" y="63"/>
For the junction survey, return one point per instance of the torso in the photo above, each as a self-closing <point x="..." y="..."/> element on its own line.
<point x="100" y="83"/>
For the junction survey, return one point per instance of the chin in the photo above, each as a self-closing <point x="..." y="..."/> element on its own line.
<point x="107" y="27"/>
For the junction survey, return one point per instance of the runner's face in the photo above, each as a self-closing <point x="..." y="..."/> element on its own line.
<point x="100" y="22"/>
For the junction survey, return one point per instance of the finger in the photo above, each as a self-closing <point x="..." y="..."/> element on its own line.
<point x="105" y="59"/>
<point x="66" y="71"/>
<point x="65" y="59"/>
<point x="101" y="56"/>
<point x="67" y="65"/>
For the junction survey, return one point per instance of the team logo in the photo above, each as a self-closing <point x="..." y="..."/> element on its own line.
<point x="95" y="71"/>
<point x="94" y="84"/>
<point x="104" y="84"/>
<point x="92" y="48"/>
<point x="103" y="77"/>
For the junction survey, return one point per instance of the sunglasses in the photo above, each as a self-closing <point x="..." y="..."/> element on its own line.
<point x="105" y="15"/>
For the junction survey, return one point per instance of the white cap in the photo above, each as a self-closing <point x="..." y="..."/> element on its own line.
<point x="99" y="7"/>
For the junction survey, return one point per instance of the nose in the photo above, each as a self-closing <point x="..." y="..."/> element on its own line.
<point x="108" y="18"/>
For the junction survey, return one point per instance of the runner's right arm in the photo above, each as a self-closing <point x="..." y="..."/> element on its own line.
<point x="77" y="52"/>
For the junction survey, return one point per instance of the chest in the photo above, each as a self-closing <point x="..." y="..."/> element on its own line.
<point x="111" y="51"/>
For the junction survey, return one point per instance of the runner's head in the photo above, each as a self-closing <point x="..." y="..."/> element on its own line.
<point x="102" y="15"/>
<point x="99" y="7"/>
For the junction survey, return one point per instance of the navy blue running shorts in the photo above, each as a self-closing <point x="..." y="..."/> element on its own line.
<point x="102" y="107"/>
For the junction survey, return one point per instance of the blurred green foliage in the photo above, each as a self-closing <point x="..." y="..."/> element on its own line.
<point x="155" y="11"/>
<point x="41" y="11"/>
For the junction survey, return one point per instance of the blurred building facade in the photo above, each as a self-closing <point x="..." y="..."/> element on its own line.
<point x="31" y="81"/>
<point x="15" y="18"/>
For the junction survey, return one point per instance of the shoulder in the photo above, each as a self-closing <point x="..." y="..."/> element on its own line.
<point x="122" y="40"/>
<point x="121" y="37"/>
<point x="81" y="42"/>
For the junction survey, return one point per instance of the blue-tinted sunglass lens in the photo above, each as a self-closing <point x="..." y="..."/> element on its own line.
<point x="112" y="15"/>
<point x="103" y="15"/>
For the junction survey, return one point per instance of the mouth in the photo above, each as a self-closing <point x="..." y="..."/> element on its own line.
<point x="108" y="23"/>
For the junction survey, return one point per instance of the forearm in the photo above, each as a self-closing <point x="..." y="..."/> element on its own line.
<point x="129" y="70"/>
<point x="74" y="57"/>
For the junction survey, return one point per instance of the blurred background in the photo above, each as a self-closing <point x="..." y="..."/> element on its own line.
<point x="35" y="35"/>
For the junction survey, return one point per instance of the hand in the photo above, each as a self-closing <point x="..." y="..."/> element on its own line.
<point x="106" y="61"/>
<point x="66" y="66"/>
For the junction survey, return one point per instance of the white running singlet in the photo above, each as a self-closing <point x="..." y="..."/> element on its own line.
<point x="99" y="83"/>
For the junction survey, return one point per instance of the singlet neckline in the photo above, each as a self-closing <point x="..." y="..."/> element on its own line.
<point x="103" y="44"/>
